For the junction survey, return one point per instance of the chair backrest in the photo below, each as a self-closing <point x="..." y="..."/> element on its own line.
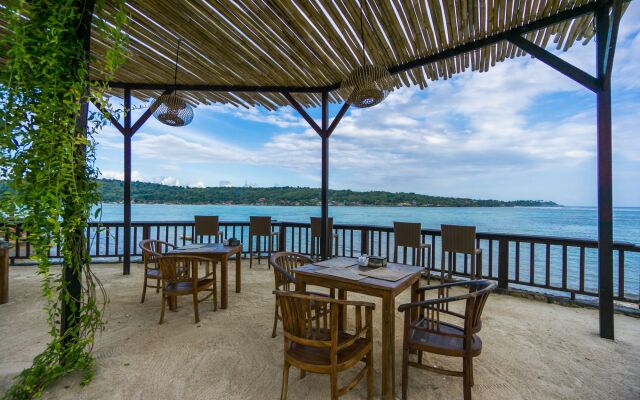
<point x="407" y="234"/>
<point x="316" y="226"/>
<point x="284" y="264"/>
<point x="260" y="226"/>
<point x="479" y="291"/>
<point x="458" y="239"/>
<point x="304" y="318"/>
<point x="151" y="250"/>
<point x="205" y="225"/>
<point x="180" y="268"/>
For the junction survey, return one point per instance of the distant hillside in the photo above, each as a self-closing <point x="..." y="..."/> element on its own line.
<point x="142" y="192"/>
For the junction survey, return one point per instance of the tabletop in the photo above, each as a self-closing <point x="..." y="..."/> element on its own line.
<point x="399" y="285"/>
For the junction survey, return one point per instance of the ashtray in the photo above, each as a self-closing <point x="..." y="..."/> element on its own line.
<point x="377" y="262"/>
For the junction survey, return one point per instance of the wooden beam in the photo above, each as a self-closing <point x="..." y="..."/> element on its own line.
<point x="302" y="112"/>
<point x="556" y="62"/>
<point x="113" y="121"/>
<point x="610" y="42"/>
<point x="337" y="118"/>
<point x="144" y="117"/>
<point x="204" y="87"/>
<point x="498" y="37"/>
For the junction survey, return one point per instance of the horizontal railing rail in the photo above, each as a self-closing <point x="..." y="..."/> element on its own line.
<point x="567" y="266"/>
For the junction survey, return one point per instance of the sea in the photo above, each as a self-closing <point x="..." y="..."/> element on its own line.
<point x="570" y="222"/>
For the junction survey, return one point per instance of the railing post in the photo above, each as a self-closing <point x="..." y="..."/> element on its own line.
<point x="146" y="232"/>
<point x="503" y="263"/>
<point x="282" y="237"/>
<point x="4" y="272"/>
<point x="364" y="241"/>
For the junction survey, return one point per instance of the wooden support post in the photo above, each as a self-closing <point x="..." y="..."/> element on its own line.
<point x="503" y="264"/>
<point x="605" y="39"/>
<point x="4" y="272"/>
<point x="324" y="231"/>
<point x="282" y="237"/>
<point x="364" y="241"/>
<point x="71" y="274"/>
<point x="126" y="260"/>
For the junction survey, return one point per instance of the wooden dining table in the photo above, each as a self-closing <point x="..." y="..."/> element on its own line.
<point x="387" y="290"/>
<point x="217" y="252"/>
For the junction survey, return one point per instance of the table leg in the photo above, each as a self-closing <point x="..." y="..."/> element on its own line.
<point x="414" y="298"/>
<point x="238" y="271"/>
<point x="301" y="285"/>
<point x="342" y="310"/>
<point x="388" y="346"/>
<point x="223" y="281"/>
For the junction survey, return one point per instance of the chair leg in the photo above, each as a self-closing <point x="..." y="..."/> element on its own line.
<point x="144" y="288"/>
<point x="285" y="381"/>
<point x="303" y="373"/>
<point x="419" y="356"/>
<point x="157" y="285"/>
<point x="163" y="301"/>
<point x="405" y="371"/>
<point x="195" y="306"/>
<point x="275" y="321"/>
<point x="471" y="371"/>
<point x="466" y="385"/>
<point x="270" y="239"/>
<point x="370" y="387"/>
<point x="258" y="246"/>
<point x="334" y="386"/>
<point x="215" y="296"/>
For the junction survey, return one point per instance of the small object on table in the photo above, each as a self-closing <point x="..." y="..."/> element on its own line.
<point x="377" y="262"/>
<point x="233" y="242"/>
<point x="363" y="260"/>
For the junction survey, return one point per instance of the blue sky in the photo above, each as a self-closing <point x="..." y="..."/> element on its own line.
<point x="519" y="131"/>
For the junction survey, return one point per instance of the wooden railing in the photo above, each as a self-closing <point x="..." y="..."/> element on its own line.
<point x="548" y="264"/>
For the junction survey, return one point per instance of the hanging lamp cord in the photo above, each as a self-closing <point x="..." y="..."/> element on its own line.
<point x="175" y="75"/>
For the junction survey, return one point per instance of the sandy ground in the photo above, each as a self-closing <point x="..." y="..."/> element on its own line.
<point x="532" y="350"/>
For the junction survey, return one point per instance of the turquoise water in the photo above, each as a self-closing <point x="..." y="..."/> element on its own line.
<point x="574" y="222"/>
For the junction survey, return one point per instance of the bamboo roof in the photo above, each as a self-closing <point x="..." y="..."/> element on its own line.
<point x="311" y="45"/>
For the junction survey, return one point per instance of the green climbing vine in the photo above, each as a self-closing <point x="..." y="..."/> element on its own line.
<point x="48" y="162"/>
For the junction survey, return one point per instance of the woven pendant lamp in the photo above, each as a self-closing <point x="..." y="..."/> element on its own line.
<point x="367" y="85"/>
<point x="174" y="110"/>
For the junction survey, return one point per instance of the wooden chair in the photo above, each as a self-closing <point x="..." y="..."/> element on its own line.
<point x="316" y="234"/>
<point x="458" y="239"/>
<point x="151" y="250"/>
<point x="313" y="342"/>
<point x="425" y="329"/>
<point x="407" y="235"/>
<point x="284" y="265"/>
<point x="180" y="277"/>
<point x="206" y="226"/>
<point x="260" y="227"/>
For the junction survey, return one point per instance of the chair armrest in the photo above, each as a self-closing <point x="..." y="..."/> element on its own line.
<point x="365" y="304"/>
<point x="444" y="285"/>
<point x="426" y="303"/>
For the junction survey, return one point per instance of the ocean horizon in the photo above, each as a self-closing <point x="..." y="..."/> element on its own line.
<point x="579" y="222"/>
